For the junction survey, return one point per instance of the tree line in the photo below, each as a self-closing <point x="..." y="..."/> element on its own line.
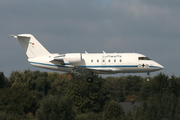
<point x="35" y="95"/>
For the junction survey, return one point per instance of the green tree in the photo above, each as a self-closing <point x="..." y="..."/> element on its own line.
<point x="4" y="81"/>
<point x="18" y="101"/>
<point x="33" y="80"/>
<point x="115" y="87"/>
<point x="113" y="109"/>
<point x="11" y="116"/>
<point x="88" y="97"/>
<point x="59" y="83"/>
<point x="160" y="99"/>
<point x="160" y="84"/>
<point x="124" y="86"/>
<point x="90" y="116"/>
<point x="56" y="108"/>
<point x="132" y="86"/>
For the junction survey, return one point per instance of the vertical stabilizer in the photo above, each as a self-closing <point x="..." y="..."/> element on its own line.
<point x="31" y="45"/>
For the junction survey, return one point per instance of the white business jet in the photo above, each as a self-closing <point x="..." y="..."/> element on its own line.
<point x="99" y="63"/>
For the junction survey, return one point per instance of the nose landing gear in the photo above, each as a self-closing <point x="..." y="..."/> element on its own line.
<point x="148" y="76"/>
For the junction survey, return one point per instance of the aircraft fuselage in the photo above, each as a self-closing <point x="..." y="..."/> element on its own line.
<point x="101" y="63"/>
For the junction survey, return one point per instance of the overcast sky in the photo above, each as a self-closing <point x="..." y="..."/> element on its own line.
<point x="149" y="27"/>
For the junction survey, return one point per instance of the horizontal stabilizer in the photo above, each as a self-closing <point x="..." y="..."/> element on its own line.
<point x="13" y="36"/>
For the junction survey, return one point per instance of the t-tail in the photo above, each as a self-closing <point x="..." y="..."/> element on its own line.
<point x="38" y="56"/>
<point x="31" y="45"/>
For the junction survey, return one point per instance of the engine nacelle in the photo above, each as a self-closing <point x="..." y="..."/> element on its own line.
<point x="73" y="57"/>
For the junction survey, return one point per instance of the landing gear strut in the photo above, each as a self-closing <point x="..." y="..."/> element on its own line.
<point x="148" y="76"/>
<point x="90" y="78"/>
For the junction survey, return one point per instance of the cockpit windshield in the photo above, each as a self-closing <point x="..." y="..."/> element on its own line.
<point x="144" y="58"/>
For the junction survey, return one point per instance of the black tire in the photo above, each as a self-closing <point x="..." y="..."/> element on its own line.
<point x="89" y="79"/>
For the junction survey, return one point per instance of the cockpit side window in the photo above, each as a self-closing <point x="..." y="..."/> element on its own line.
<point x="144" y="58"/>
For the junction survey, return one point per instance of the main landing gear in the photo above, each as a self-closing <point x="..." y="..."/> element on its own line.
<point x="90" y="78"/>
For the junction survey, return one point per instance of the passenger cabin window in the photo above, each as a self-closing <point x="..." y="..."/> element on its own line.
<point x="120" y="60"/>
<point x="91" y="60"/>
<point x="97" y="60"/>
<point x="144" y="58"/>
<point x="109" y="60"/>
<point x="114" y="60"/>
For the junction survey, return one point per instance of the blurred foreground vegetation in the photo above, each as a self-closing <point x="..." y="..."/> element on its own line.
<point x="35" y="95"/>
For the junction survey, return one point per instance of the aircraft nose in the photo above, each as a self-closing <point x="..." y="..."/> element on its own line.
<point x="160" y="66"/>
